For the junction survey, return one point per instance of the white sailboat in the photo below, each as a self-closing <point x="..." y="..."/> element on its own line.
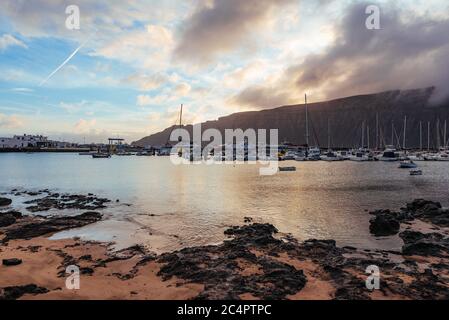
<point x="330" y="155"/>
<point x="360" y="156"/>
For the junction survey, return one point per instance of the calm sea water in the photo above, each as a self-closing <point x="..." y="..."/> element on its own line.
<point x="177" y="206"/>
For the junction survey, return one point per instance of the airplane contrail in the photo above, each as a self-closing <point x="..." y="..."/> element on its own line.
<point x="64" y="63"/>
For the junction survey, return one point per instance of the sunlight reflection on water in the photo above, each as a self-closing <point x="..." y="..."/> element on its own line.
<point x="177" y="206"/>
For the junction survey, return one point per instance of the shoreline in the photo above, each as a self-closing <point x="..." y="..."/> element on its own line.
<point x="253" y="264"/>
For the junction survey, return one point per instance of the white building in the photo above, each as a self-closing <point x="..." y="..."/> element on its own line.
<point x="25" y="141"/>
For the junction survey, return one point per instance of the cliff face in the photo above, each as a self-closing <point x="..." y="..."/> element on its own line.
<point x="346" y="117"/>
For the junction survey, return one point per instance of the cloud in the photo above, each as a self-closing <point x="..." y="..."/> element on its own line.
<point x="73" y="107"/>
<point x="8" y="40"/>
<point x="261" y="97"/>
<point x="408" y="52"/>
<point x="83" y="126"/>
<point x="149" y="48"/>
<point x="10" y="122"/>
<point x="244" y="75"/>
<point x="182" y="89"/>
<point x="157" y="100"/>
<point x="143" y="100"/>
<point x="220" y="26"/>
<point x="22" y="90"/>
<point x="119" y="30"/>
<point x="147" y="82"/>
<point x="40" y="18"/>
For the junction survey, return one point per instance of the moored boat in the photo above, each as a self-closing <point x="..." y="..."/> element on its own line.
<point x="101" y="155"/>
<point x="389" y="155"/>
<point x="442" y="156"/>
<point x="331" y="156"/>
<point x="360" y="157"/>
<point x="416" y="172"/>
<point x="287" y="169"/>
<point x="407" y="164"/>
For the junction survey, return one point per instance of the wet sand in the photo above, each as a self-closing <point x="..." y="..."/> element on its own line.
<point x="103" y="275"/>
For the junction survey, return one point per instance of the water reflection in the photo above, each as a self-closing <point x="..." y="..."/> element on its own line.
<point x="176" y="206"/>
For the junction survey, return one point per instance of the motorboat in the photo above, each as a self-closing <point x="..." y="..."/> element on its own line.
<point x="287" y="169"/>
<point x="144" y="154"/>
<point x="344" y="155"/>
<point x="289" y="155"/>
<point x="416" y="172"/>
<point x="300" y="155"/>
<point x="313" y="154"/>
<point x="416" y="157"/>
<point x="389" y="155"/>
<point x="442" y="156"/>
<point x="360" y="157"/>
<point x="331" y="156"/>
<point x="101" y="155"/>
<point x="430" y="157"/>
<point x="407" y="164"/>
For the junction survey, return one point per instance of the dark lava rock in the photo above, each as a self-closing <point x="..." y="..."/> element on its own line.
<point x="429" y="211"/>
<point x="87" y="271"/>
<point x="14" y="293"/>
<point x="67" y="201"/>
<point x="259" y="234"/>
<point x="15" y="214"/>
<point x="384" y="225"/>
<point x="11" y="262"/>
<point x="50" y="225"/>
<point x="5" y="202"/>
<point x="421" y="205"/>
<point x="218" y="267"/>
<point x="417" y="243"/>
<point x="6" y="220"/>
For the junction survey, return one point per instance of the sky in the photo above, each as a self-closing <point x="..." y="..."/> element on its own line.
<point x="131" y="64"/>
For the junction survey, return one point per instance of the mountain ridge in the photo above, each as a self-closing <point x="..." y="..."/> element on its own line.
<point x="345" y="115"/>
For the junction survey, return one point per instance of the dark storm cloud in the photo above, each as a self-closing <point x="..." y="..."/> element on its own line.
<point x="222" y="26"/>
<point x="261" y="97"/>
<point x="408" y="52"/>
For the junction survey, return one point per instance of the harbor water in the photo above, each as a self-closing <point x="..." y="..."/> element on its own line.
<point x="168" y="207"/>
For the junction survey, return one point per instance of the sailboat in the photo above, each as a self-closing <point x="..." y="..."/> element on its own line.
<point x="443" y="152"/>
<point x="361" y="155"/>
<point x="311" y="153"/>
<point x="330" y="155"/>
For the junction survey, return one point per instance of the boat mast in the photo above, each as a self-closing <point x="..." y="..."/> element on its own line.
<point x="363" y="134"/>
<point x="438" y="135"/>
<point x="328" y="136"/>
<point x="420" y="135"/>
<point x="180" y="117"/>
<point x="367" y="133"/>
<point x="405" y="132"/>
<point x="377" y="131"/>
<point x="428" y="136"/>
<point x="180" y="126"/>
<point x="392" y="132"/>
<point x="445" y="133"/>
<point x="307" y="121"/>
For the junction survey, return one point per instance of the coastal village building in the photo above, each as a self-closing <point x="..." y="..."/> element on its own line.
<point x="24" y="141"/>
<point x="33" y="141"/>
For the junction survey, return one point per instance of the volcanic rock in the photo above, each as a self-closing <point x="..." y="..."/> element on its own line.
<point x="5" y="202"/>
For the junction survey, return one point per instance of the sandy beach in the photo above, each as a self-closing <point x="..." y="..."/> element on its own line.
<point x="256" y="262"/>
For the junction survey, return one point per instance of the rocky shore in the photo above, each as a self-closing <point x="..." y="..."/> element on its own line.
<point x="256" y="262"/>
